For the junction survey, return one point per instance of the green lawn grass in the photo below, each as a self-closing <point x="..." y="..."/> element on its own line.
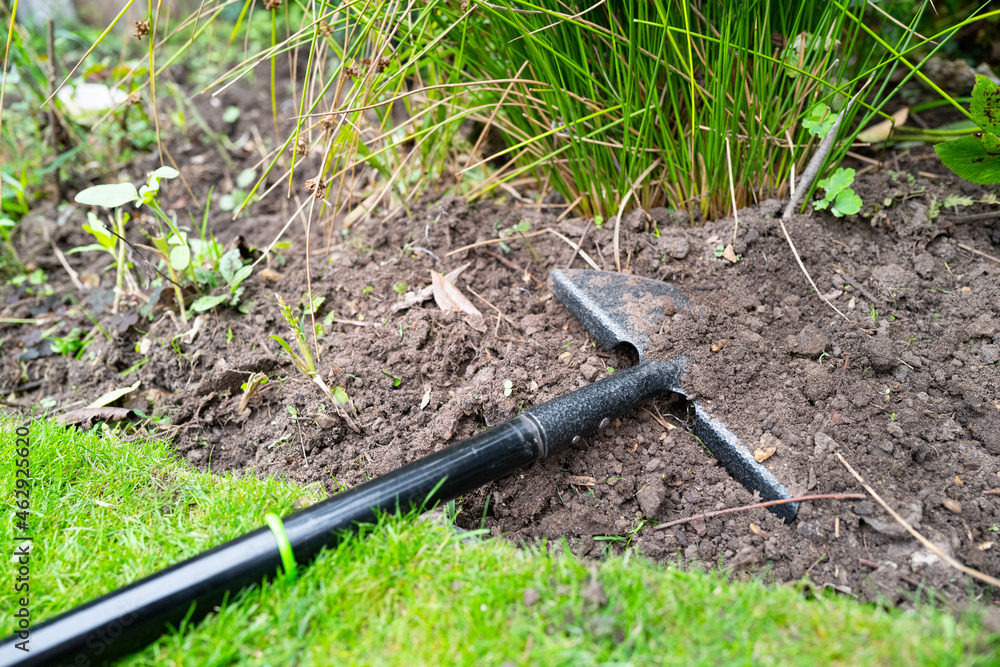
<point x="107" y="511"/>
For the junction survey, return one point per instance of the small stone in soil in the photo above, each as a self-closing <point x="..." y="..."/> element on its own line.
<point x="531" y="597"/>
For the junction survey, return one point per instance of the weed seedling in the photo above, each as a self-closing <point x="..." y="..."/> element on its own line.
<point x="838" y="195"/>
<point x="508" y="387"/>
<point x="520" y="228"/>
<point x="303" y="359"/>
<point x="818" y="120"/>
<point x="70" y="345"/>
<point x="395" y="380"/>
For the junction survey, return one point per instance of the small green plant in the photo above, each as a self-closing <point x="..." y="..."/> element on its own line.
<point x="70" y="345"/>
<point x="115" y="196"/>
<point x="520" y="228"/>
<point x="400" y="287"/>
<point x="719" y="250"/>
<point x="395" y="380"/>
<point x="303" y="359"/>
<point x="819" y="120"/>
<point x="599" y="221"/>
<point x="874" y="315"/>
<point x="976" y="157"/>
<point x="508" y="387"/>
<point x="35" y="282"/>
<point x="838" y="195"/>
<point x="183" y="254"/>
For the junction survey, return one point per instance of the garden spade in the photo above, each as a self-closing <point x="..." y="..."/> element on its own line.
<point x="615" y="308"/>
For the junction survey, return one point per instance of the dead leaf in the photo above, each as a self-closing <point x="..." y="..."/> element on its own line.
<point x="156" y="395"/>
<point x="325" y="421"/>
<point x="581" y="480"/>
<point x="270" y="275"/>
<point x="87" y="416"/>
<point x="427" y="397"/>
<point x="113" y="395"/>
<point x="90" y="280"/>
<point x="730" y="254"/>
<point x="411" y="298"/>
<point x="757" y="530"/>
<point x="952" y="505"/>
<point x="985" y="546"/>
<point x="449" y="298"/>
<point x="879" y="132"/>
<point x="761" y="455"/>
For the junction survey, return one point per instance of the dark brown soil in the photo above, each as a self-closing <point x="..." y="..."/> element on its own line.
<point x="906" y="388"/>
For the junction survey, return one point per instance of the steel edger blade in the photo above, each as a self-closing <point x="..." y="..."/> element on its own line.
<point x="618" y="308"/>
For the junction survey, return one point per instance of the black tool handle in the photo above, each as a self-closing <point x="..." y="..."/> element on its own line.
<point x="130" y="618"/>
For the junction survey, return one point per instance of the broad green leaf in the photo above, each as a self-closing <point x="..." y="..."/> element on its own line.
<point x="149" y="191"/>
<point x="819" y="120"/>
<point x="111" y="195"/>
<point x="246" y="178"/>
<point x="229" y="264"/>
<point x="114" y="395"/>
<point x="231" y="114"/>
<point x="969" y="158"/>
<point x="85" y="248"/>
<point x="842" y="178"/>
<point x="340" y="395"/>
<point x="180" y="257"/>
<point x="207" y="302"/>
<point x="164" y="172"/>
<point x="847" y="203"/>
<point x="821" y="204"/>
<point x="240" y="276"/>
<point x="990" y="141"/>
<point x="96" y="228"/>
<point x="313" y="306"/>
<point x="985" y="106"/>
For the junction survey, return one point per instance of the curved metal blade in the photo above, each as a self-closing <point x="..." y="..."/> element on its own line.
<point x="620" y="308"/>
<point x="616" y="307"/>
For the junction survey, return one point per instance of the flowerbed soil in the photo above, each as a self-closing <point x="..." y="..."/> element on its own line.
<point x="906" y="388"/>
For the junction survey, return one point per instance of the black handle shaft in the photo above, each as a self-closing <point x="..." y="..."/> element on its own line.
<point x="130" y="618"/>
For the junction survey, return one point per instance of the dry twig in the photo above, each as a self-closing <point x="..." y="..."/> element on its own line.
<point x="977" y="252"/>
<point x="975" y="574"/>
<point x="770" y="503"/>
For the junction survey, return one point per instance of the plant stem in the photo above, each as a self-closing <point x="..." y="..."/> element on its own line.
<point x="177" y="293"/>
<point x="155" y="208"/>
<point x="530" y="247"/>
<point x="120" y="274"/>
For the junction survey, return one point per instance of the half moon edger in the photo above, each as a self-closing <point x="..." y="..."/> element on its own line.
<point x="615" y="308"/>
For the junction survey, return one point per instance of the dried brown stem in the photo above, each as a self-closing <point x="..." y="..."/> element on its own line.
<point x="975" y="574"/>
<point x="770" y="503"/>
